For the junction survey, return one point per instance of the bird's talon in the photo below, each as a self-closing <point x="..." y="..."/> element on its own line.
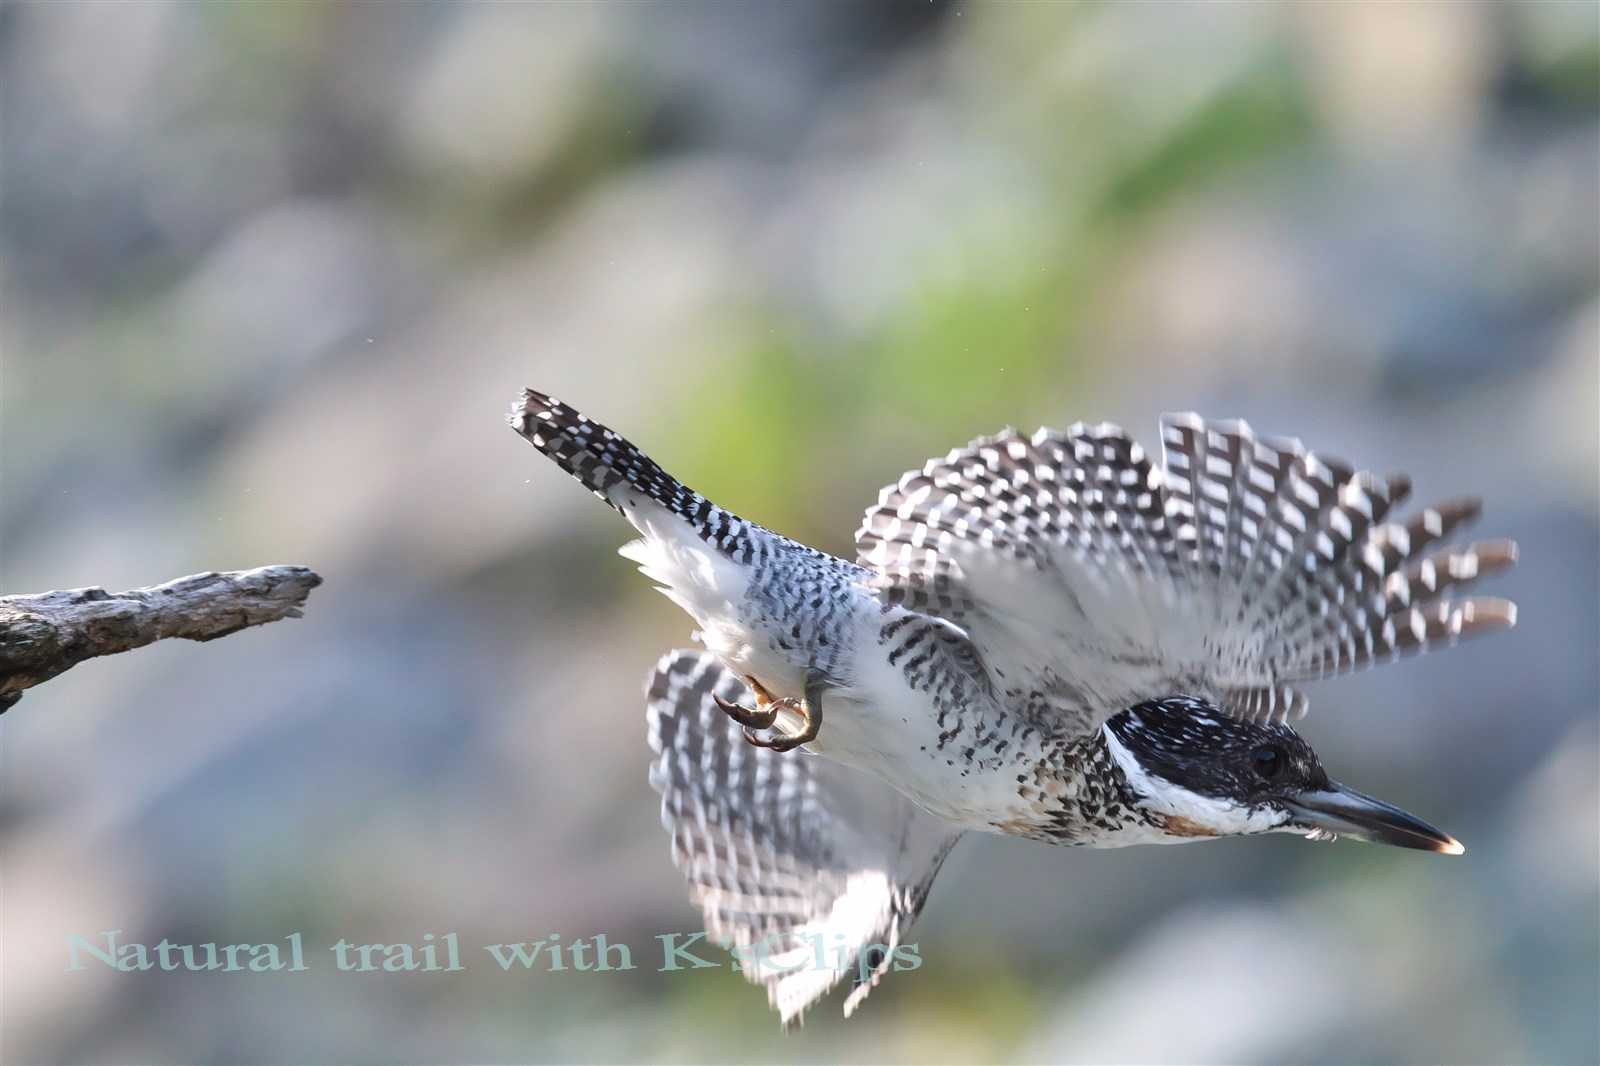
<point x="778" y="744"/>
<point x="750" y="719"/>
<point x="811" y="724"/>
<point x="765" y="716"/>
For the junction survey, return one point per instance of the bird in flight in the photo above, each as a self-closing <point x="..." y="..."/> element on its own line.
<point x="1047" y="637"/>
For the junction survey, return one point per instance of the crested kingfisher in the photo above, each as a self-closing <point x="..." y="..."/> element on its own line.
<point x="1043" y="636"/>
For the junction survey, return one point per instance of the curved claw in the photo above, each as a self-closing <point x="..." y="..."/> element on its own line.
<point x="750" y="719"/>
<point x="810" y="714"/>
<point x="765" y="716"/>
<point x="755" y="741"/>
<point x="778" y="743"/>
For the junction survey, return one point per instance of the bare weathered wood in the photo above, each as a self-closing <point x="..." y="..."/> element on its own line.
<point x="46" y="634"/>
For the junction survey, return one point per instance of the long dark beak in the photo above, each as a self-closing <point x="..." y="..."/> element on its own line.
<point x="1345" y="811"/>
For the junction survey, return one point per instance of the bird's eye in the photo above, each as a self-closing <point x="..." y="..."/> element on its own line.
<point x="1267" y="762"/>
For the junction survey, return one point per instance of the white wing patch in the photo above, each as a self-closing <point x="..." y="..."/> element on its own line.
<point x="1089" y="580"/>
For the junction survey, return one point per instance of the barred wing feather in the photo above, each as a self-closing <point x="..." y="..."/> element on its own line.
<point x="1090" y="580"/>
<point x="812" y="870"/>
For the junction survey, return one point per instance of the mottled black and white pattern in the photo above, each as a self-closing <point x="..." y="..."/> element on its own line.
<point x="1046" y="636"/>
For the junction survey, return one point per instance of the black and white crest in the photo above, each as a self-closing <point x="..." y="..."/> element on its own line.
<point x="1189" y="743"/>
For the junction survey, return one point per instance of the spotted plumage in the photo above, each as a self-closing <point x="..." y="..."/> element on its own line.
<point x="1045" y="636"/>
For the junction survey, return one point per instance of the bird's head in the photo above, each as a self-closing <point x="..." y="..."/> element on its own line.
<point x="1207" y="775"/>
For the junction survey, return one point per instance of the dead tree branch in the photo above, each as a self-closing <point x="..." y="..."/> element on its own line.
<point x="49" y="633"/>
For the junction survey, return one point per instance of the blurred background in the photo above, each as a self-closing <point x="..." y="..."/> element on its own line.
<point x="272" y="272"/>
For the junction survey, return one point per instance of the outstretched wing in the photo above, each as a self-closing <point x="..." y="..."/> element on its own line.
<point x="1089" y="580"/>
<point x="809" y="870"/>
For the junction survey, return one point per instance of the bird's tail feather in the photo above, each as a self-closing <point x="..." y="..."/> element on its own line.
<point x="607" y="464"/>
<point x="694" y="550"/>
